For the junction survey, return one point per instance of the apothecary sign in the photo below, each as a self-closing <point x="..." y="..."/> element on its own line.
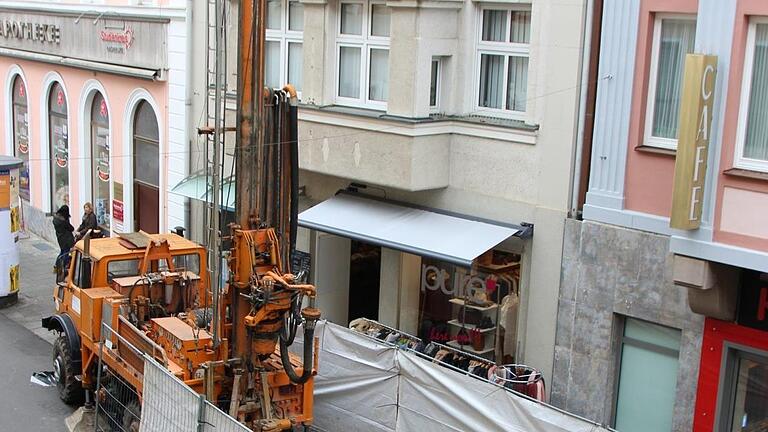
<point x="103" y="38"/>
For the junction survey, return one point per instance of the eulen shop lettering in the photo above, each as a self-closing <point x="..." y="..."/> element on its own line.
<point x="45" y="33"/>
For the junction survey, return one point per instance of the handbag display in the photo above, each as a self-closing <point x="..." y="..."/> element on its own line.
<point x="469" y="316"/>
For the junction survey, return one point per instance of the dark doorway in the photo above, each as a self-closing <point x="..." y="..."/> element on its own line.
<point x="146" y="169"/>
<point x="364" y="280"/>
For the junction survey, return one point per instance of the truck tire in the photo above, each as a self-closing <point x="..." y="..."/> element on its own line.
<point x="132" y="416"/>
<point x="70" y="389"/>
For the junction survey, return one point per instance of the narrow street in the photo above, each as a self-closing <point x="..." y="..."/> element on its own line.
<point x="26" y="347"/>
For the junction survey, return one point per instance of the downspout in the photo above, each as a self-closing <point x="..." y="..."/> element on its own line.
<point x="188" y="90"/>
<point x="583" y="91"/>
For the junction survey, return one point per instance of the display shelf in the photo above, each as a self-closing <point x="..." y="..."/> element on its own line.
<point x="456" y="323"/>
<point x="499" y="268"/>
<point x="468" y="348"/>
<point x="461" y="302"/>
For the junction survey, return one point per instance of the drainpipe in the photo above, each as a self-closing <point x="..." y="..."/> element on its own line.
<point x="583" y="86"/>
<point x="188" y="90"/>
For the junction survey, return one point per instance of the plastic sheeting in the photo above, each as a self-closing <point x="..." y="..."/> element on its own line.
<point x="366" y="384"/>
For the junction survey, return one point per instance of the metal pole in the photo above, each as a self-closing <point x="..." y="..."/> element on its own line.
<point x="216" y="186"/>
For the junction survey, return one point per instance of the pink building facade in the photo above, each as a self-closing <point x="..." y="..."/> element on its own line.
<point x="663" y="325"/>
<point x="96" y="103"/>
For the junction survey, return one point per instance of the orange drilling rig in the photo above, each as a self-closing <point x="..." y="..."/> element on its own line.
<point x="158" y="293"/>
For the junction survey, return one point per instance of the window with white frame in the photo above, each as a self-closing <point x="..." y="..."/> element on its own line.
<point x="673" y="38"/>
<point x="363" y="54"/>
<point x="435" y="72"/>
<point x="502" y="60"/>
<point x="752" y="130"/>
<point x="283" y="47"/>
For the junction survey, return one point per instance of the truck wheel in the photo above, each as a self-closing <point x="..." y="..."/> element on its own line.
<point x="70" y="390"/>
<point x="132" y="416"/>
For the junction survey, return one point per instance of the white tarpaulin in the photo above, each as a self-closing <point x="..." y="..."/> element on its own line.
<point x="412" y="230"/>
<point x="367" y="385"/>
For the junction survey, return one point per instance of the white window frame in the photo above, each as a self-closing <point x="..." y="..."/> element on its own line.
<point x="366" y="42"/>
<point x="650" y="97"/>
<point x="746" y="87"/>
<point x="284" y="36"/>
<point x="433" y="109"/>
<point x="505" y="49"/>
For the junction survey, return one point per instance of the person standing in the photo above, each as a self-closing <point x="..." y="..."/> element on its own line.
<point x="88" y="222"/>
<point x="64" y="235"/>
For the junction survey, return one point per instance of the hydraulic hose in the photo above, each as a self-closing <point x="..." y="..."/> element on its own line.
<point x="309" y="337"/>
<point x="293" y="121"/>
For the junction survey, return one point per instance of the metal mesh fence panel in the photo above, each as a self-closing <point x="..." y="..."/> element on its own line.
<point x="215" y="420"/>
<point x="118" y="407"/>
<point x="169" y="404"/>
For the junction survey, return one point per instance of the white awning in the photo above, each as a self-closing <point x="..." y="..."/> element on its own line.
<point x="130" y="71"/>
<point x="450" y="238"/>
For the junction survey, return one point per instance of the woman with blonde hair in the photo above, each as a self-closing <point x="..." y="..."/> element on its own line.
<point x="89" y="221"/>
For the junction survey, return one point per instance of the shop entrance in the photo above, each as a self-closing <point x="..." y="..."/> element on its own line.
<point x="364" y="281"/>
<point x="146" y="169"/>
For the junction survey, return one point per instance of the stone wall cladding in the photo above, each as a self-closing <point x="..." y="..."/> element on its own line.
<point x="610" y="271"/>
<point x="38" y="222"/>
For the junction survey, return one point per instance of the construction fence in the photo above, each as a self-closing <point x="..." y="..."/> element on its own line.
<point x="365" y="384"/>
<point x="167" y="404"/>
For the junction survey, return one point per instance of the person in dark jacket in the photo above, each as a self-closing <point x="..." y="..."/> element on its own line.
<point x="64" y="229"/>
<point x="89" y="221"/>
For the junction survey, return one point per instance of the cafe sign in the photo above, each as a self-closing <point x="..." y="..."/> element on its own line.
<point x="695" y="130"/>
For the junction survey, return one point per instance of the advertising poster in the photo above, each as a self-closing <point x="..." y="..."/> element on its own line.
<point x="5" y="189"/>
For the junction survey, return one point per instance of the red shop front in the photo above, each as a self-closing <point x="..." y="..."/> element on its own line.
<point x="732" y="393"/>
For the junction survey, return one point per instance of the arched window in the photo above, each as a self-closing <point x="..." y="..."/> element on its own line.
<point x="100" y="160"/>
<point x="20" y="125"/>
<point x="146" y="169"/>
<point x="58" y="131"/>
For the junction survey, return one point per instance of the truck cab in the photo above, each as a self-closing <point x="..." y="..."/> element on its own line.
<point x="125" y="283"/>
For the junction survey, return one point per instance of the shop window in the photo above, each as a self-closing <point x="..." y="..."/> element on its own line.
<point x="474" y="310"/>
<point x="20" y="126"/>
<point x="503" y="49"/>
<point x="744" y="396"/>
<point x="100" y="160"/>
<point x="752" y="135"/>
<point x="146" y="169"/>
<point x="363" y="54"/>
<point x="285" y="34"/>
<point x="647" y="378"/>
<point x="58" y="131"/>
<point x="673" y="38"/>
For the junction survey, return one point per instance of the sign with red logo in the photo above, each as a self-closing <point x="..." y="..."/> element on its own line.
<point x="22" y="90"/>
<point x="117" y="41"/>
<point x="117" y="210"/>
<point x="103" y="108"/>
<point x="60" y="98"/>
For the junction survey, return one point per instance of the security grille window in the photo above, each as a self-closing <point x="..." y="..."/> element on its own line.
<point x="434" y="84"/>
<point x="58" y="137"/>
<point x="744" y="401"/>
<point x="647" y="381"/>
<point x="752" y="135"/>
<point x="100" y="172"/>
<point x="363" y="54"/>
<point x="20" y="124"/>
<point x="673" y="38"/>
<point x="283" y="59"/>
<point x="502" y="56"/>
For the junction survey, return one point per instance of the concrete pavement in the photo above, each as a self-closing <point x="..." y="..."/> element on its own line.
<point x="25" y="406"/>
<point x="36" y="286"/>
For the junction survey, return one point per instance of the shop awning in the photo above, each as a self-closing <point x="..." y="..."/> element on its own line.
<point x="425" y="232"/>
<point x="196" y="187"/>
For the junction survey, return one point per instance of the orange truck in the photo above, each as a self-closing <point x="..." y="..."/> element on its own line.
<point x="152" y="291"/>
